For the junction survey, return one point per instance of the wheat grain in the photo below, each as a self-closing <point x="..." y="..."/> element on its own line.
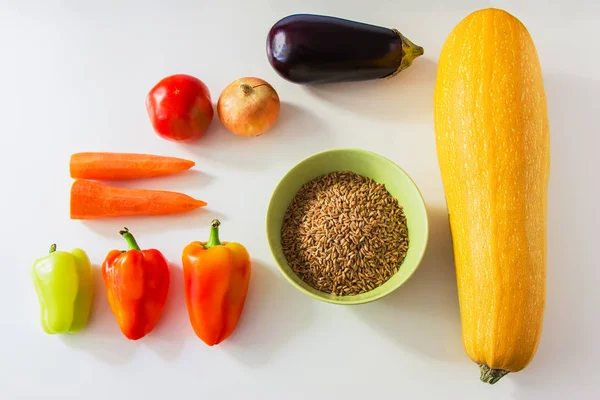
<point x="344" y="234"/>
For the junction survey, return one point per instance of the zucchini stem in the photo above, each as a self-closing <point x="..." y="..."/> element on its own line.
<point x="491" y="375"/>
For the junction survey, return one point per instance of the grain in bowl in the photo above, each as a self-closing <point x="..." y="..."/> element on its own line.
<point x="344" y="234"/>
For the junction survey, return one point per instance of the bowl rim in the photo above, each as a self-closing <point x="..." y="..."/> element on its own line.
<point x="346" y="301"/>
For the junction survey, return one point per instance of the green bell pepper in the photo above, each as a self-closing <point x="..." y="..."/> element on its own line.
<point x="64" y="284"/>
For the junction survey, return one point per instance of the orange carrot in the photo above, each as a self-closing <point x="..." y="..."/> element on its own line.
<point x="115" y="166"/>
<point x="91" y="200"/>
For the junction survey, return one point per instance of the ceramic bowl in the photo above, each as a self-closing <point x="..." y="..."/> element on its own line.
<point x="364" y="163"/>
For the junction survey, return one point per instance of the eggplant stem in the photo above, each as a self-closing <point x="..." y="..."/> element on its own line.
<point x="410" y="51"/>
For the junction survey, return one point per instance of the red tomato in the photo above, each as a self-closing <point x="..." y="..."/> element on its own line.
<point x="180" y="108"/>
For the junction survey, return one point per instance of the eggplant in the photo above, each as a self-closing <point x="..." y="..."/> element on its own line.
<point x="314" y="49"/>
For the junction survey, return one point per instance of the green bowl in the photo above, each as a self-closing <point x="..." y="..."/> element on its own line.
<point x="364" y="163"/>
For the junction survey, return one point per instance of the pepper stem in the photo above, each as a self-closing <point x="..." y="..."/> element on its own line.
<point x="491" y="375"/>
<point x="52" y="248"/>
<point x="213" y="239"/>
<point x="130" y="239"/>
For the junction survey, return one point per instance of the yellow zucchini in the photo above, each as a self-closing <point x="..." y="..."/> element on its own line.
<point x="492" y="140"/>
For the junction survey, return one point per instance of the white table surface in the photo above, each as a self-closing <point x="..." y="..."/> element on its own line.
<point x="74" y="78"/>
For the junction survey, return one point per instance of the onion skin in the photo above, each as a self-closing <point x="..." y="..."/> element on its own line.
<point x="248" y="106"/>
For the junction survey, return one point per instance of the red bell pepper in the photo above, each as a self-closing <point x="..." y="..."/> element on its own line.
<point x="216" y="278"/>
<point x="137" y="282"/>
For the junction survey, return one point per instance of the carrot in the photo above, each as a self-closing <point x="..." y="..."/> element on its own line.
<point x="91" y="200"/>
<point x="115" y="166"/>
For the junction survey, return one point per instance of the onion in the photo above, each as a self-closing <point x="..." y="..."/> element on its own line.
<point x="248" y="106"/>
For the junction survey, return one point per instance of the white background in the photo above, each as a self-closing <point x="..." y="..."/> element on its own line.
<point x="74" y="76"/>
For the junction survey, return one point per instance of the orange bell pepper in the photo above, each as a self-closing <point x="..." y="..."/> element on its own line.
<point x="137" y="282"/>
<point x="216" y="278"/>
